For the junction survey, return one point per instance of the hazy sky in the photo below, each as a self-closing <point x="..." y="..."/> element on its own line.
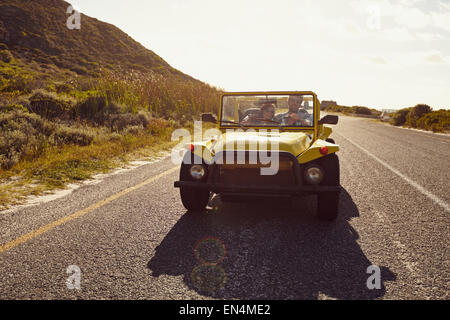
<point x="382" y="54"/>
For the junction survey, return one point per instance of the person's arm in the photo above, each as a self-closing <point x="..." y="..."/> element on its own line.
<point x="292" y="119"/>
<point x="279" y="117"/>
<point x="250" y="119"/>
<point x="305" y="118"/>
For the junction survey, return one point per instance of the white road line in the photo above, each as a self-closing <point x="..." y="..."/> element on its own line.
<point x="432" y="135"/>
<point x="427" y="193"/>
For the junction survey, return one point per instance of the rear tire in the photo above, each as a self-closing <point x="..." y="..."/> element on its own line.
<point x="328" y="202"/>
<point x="193" y="199"/>
<point x="330" y="141"/>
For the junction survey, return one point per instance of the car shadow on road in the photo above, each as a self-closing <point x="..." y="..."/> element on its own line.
<point x="271" y="249"/>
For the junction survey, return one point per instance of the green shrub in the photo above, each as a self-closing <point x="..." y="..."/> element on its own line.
<point x="21" y="100"/>
<point x="6" y="56"/>
<point x="437" y="121"/>
<point x="360" y="110"/>
<point x="415" y="113"/>
<point x="144" y="118"/>
<point x="63" y="87"/>
<point x="21" y="134"/>
<point x="118" y="122"/>
<point x="23" y="83"/>
<point x="7" y="161"/>
<point x="160" y="127"/>
<point x="375" y="112"/>
<point x="90" y="108"/>
<point x="114" y="136"/>
<point x="26" y="122"/>
<point x="97" y="110"/>
<point x="49" y="105"/>
<point x="81" y="70"/>
<point x="11" y="107"/>
<point x="26" y="134"/>
<point x="399" y="117"/>
<point x="133" y="130"/>
<point x="334" y="108"/>
<point x="67" y="135"/>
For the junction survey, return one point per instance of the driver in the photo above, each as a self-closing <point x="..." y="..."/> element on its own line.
<point x="263" y="117"/>
<point x="296" y="116"/>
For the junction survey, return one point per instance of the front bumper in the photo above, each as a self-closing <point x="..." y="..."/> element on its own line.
<point x="222" y="188"/>
<point x="288" y="181"/>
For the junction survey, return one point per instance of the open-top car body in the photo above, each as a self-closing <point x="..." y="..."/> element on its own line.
<point x="267" y="144"/>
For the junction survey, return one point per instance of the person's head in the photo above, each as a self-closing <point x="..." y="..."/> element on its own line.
<point x="268" y="110"/>
<point x="294" y="103"/>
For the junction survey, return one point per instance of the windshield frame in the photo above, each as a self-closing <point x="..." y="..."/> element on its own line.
<point x="316" y="110"/>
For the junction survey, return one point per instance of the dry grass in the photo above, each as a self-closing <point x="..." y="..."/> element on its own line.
<point x="57" y="129"/>
<point x="58" y="167"/>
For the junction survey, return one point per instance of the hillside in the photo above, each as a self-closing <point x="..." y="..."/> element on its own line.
<point x="36" y="30"/>
<point x="77" y="102"/>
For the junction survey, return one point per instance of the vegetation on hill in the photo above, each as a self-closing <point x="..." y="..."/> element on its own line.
<point x="421" y="116"/>
<point x="77" y="102"/>
<point x="36" y="30"/>
<point x="357" y="110"/>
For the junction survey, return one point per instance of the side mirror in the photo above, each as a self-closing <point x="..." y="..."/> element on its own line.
<point x="329" y="119"/>
<point x="208" y="117"/>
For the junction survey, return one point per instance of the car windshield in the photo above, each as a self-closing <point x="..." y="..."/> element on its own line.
<point x="293" y="110"/>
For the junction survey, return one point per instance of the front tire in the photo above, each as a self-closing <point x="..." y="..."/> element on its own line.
<point x="328" y="202"/>
<point x="193" y="199"/>
<point x="328" y="206"/>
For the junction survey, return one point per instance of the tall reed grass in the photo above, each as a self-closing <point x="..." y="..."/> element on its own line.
<point x="167" y="97"/>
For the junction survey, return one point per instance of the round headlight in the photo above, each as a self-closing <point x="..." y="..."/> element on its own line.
<point x="314" y="175"/>
<point x="197" y="171"/>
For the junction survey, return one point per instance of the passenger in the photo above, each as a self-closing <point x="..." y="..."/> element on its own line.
<point x="264" y="117"/>
<point x="296" y="116"/>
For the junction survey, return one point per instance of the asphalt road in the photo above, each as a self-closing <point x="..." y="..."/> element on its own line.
<point x="132" y="239"/>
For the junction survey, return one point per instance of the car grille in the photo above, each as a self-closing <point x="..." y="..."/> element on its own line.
<point x="249" y="173"/>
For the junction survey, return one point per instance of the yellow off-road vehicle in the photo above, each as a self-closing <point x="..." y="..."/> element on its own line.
<point x="268" y="144"/>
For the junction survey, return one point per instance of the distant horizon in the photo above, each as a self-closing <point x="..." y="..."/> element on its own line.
<point x="380" y="54"/>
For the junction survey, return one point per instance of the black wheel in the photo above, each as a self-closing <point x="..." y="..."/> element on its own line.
<point x="193" y="199"/>
<point x="227" y="198"/>
<point x="328" y="206"/>
<point x="330" y="141"/>
<point x="328" y="202"/>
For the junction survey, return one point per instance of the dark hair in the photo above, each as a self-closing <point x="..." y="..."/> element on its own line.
<point x="267" y="105"/>
<point x="295" y="98"/>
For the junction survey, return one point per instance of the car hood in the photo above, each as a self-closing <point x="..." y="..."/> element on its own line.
<point x="292" y="142"/>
